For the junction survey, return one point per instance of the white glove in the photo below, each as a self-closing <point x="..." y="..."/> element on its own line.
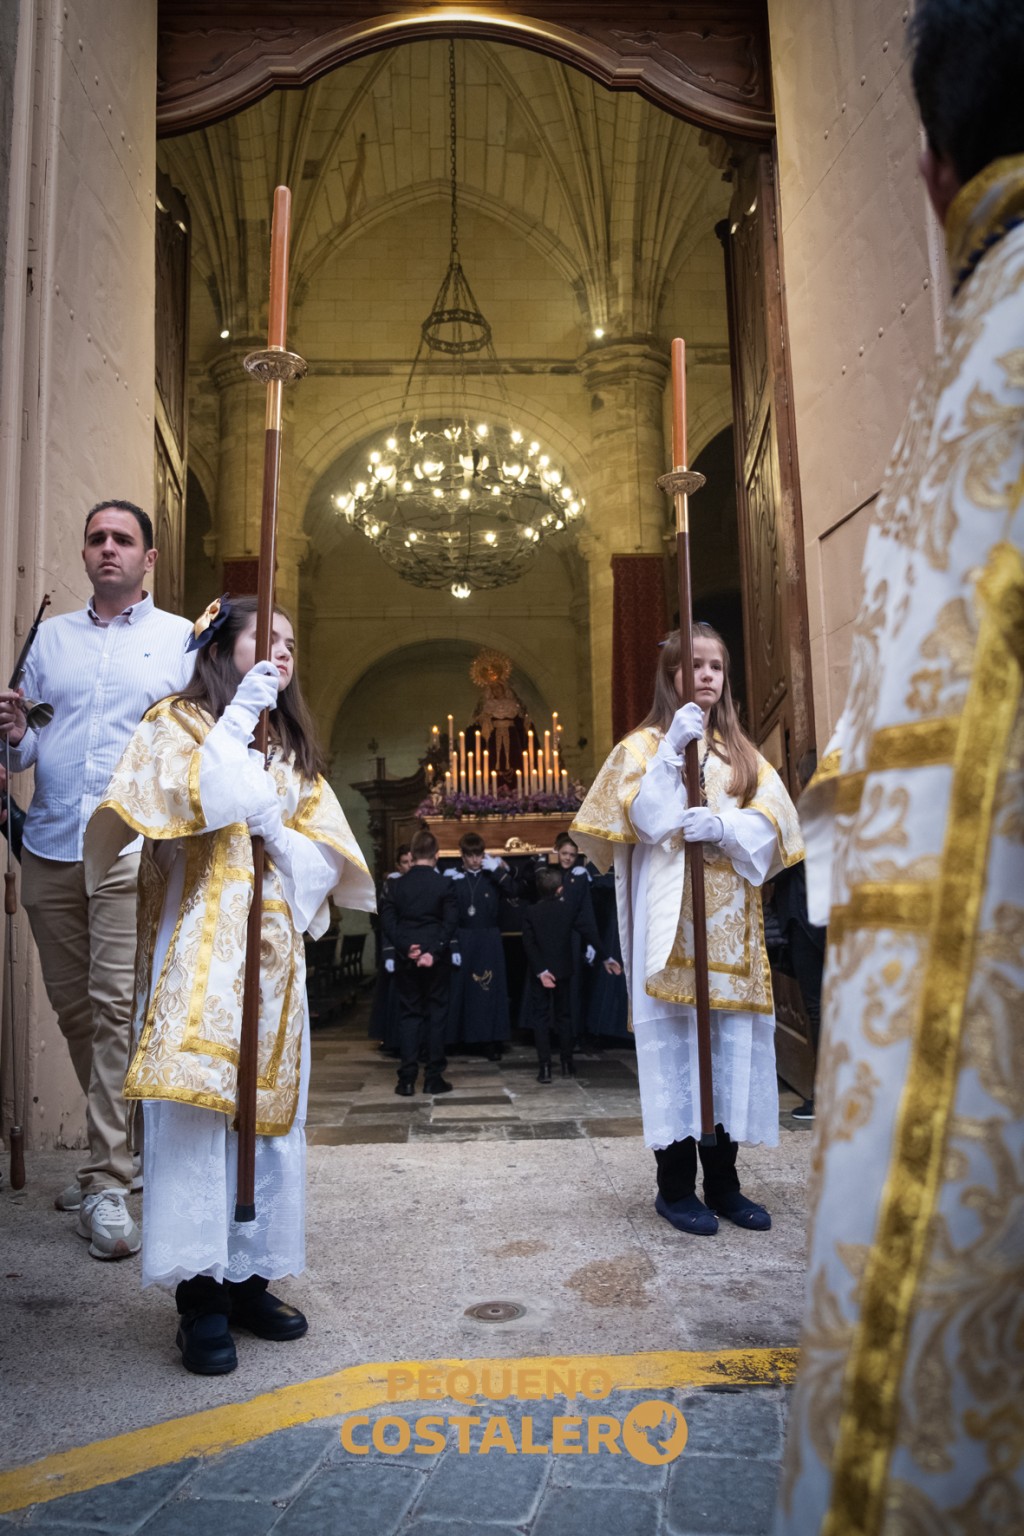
<point x="456" y="957"/>
<point x="702" y="826"/>
<point x="589" y="954"/>
<point x="687" y="725"/>
<point x="491" y="861"/>
<point x="256" y="692"/>
<point x="264" y="820"/>
<point x="389" y="966"/>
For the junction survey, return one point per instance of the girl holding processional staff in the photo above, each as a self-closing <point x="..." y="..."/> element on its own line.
<point x="638" y="815"/>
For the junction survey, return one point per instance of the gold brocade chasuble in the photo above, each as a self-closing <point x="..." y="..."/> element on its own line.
<point x="908" y="1418"/>
<point x="188" y="1018"/>
<point x="740" y="978"/>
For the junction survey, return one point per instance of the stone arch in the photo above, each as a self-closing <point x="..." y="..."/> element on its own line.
<point x="375" y="648"/>
<point x="716" y="75"/>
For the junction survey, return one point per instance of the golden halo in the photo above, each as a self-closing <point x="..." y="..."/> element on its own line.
<point x="489" y="667"/>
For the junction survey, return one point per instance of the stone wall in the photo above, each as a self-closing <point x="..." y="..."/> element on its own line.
<point x="76" y="390"/>
<point x="865" y="280"/>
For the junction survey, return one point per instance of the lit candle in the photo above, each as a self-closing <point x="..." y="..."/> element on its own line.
<point x="479" y="746"/>
<point x="494" y="783"/>
<point x="487" y="767"/>
<point x="529" y="748"/>
<point x="448" y="783"/>
<point x="519" y="782"/>
<point x="435" y="736"/>
<point x="430" y="773"/>
<point x="462" y="759"/>
<point x="547" y="759"/>
<point x="565" y="781"/>
<point x="451" y="733"/>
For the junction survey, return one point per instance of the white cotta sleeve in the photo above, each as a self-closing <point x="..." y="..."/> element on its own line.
<point x="659" y="803"/>
<point x="225" y="773"/>
<point x="309" y="873"/>
<point x="750" y="844"/>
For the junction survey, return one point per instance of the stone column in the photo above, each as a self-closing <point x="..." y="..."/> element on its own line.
<point x="238" y="509"/>
<point x="626" y="513"/>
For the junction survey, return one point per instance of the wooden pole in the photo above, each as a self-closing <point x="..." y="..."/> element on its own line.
<point x="681" y="482"/>
<point x="275" y="367"/>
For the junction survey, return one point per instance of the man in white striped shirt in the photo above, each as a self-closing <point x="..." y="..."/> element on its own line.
<point x="101" y="668"/>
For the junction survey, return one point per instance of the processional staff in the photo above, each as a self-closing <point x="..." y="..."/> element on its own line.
<point x="275" y="367"/>
<point x="36" y="715"/>
<point x="680" y="483"/>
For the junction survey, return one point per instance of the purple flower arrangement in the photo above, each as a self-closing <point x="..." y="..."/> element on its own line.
<point x="455" y="807"/>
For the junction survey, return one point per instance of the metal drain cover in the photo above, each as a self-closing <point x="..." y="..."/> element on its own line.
<point x="496" y="1311"/>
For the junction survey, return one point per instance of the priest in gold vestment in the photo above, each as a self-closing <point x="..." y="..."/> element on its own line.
<point x="908" y="1416"/>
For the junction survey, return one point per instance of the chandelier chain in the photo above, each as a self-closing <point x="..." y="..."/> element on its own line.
<point x="452" y="161"/>
<point x="448" y="499"/>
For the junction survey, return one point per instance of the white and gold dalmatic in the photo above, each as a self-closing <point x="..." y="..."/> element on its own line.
<point x="632" y="816"/>
<point x="908" y="1417"/>
<point x="181" y="783"/>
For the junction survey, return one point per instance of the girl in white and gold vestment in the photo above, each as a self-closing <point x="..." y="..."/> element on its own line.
<point x="637" y="814"/>
<point x="190" y="783"/>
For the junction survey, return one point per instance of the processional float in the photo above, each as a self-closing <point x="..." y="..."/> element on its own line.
<point x="680" y="483"/>
<point x="275" y="366"/>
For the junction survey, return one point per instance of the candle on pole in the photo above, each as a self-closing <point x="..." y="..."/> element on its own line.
<point x="679" y="483"/>
<point x="519" y="780"/>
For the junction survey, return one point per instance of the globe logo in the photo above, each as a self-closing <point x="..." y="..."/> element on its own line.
<point x="654" y="1432"/>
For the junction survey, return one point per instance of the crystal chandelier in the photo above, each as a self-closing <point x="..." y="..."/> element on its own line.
<point x="450" y="499"/>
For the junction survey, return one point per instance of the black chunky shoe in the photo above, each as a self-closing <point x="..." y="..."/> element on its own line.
<point x="405" y="1089"/>
<point x="267" y="1316"/>
<point x="207" y="1348"/>
<point x="568" y="1067"/>
<point x="544" y="1075"/>
<point x="437" y="1085"/>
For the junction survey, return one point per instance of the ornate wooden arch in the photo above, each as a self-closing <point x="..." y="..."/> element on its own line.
<point x="702" y="61"/>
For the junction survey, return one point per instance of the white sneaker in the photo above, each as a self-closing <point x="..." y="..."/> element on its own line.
<point x="70" y="1199"/>
<point x="104" y="1219"/>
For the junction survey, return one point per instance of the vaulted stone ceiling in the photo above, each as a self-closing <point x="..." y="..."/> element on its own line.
<point x="613" y="193"/>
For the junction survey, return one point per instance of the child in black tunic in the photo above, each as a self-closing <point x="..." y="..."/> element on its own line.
<point x="548" y="929"/>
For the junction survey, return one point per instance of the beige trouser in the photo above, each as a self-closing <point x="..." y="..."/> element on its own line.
<point x="87" y="952"/>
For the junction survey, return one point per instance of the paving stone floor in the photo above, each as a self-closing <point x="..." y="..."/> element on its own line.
<point x="352" y="1099"/>
<point x="302" y="1481"/>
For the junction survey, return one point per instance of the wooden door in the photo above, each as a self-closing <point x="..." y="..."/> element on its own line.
<point x="779" y="704"/>
<point x="171" y="394"/>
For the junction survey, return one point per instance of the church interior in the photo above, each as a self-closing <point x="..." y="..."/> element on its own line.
<point x="586" y="227"/>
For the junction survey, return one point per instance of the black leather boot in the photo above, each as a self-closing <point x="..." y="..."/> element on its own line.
<point x="544" y="1075"/>
<point x="207" y="1348"/>
<point x="268" y="1317"/>
<point x="568" y="1067"/>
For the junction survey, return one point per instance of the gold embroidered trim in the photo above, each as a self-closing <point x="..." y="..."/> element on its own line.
<point x="716" y="1001"/>
<point x="192" y="1039"/>
<point x="195" y="799"/>
<point x="907" y="905"/>
<point x="827" y="769"/>
<point x="132" y="1079"/>
<point x="173" y="829"/>
<point x="607" y="837"/>
<point x="869" y="1418"/>
<point x="917" y="744"/>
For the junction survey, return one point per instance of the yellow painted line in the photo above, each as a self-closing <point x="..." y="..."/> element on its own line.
<point x="361" y="1387"/>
